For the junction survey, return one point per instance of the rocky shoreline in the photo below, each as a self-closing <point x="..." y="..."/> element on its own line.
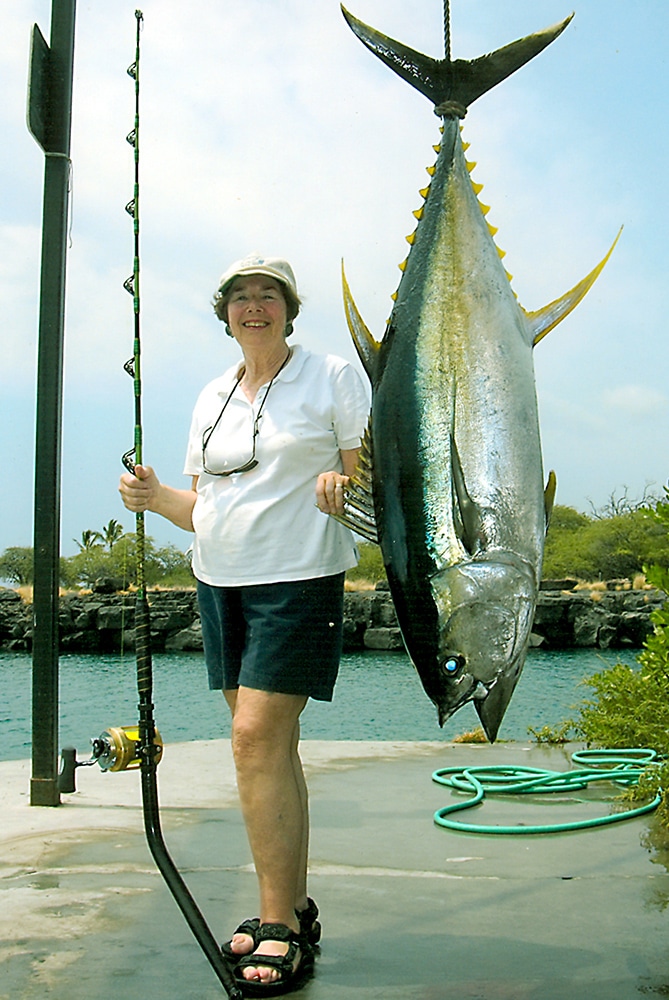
<point x="101" y="621"/>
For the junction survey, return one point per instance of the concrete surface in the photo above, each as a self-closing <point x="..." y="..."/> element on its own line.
<point x="410" y="910"/>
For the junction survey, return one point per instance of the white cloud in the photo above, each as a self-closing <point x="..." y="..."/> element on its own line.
<point x="635" y="402"/>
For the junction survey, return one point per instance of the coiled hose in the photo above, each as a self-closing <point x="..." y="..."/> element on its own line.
<point x="619" y="767"/>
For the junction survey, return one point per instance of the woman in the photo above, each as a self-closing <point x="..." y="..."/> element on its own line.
<point x="270" y="569"/>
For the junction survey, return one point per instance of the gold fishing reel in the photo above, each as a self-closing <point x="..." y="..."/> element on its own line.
<point x="120" y="749"/>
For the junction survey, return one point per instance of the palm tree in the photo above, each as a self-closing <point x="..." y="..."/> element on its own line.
<point x="89" y="540"/>
<point x="111" y="533"/>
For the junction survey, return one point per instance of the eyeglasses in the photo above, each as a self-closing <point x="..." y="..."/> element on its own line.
<point x="252" y="462"/>
<point x="206" y="436"/>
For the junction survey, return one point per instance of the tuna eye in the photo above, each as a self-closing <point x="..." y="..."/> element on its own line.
<point x="452" y="665"/>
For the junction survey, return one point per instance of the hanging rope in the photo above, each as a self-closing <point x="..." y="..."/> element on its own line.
<point x="148" y="749"/>
<point x="447" y="30"/>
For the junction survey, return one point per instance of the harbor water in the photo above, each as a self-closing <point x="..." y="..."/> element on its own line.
<point x="378" y="697"/>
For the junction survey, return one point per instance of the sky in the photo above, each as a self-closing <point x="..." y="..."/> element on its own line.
<point x="265" y="126"/>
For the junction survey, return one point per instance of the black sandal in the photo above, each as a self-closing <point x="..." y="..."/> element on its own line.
<point x="291" y="977"/>
<point x="310" y="928"/>
<point x="249" y="927"/>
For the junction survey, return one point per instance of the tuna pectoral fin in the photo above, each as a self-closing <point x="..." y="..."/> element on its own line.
<point x="366" y="345"/>
<point x="544" y="320"/>
<point x="467" y="515"/>
<point x="460" y="80"/>
<point x="358" y="499"/>
<point x="491" y="709"/>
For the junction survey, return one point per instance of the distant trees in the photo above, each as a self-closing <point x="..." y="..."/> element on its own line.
<point x="109" y="553"/>
<point x="16" y="565"/>
<point x="600" y="547"/>
<point x="617" y="541"/>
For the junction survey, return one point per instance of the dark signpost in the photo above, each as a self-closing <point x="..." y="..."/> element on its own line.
<point x="49" y="117"/>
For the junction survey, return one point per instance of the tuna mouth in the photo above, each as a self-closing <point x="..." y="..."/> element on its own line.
<point x="460" y="685"/>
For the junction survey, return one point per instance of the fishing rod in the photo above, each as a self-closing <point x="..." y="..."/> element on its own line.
<point x="148" y="747"/>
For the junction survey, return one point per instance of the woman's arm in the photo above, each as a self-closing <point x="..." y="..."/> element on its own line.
<point x="143" y="491"/>
<point x="330" y="485"/>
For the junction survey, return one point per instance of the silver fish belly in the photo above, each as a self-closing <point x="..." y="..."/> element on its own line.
<point x="455" y="398"/>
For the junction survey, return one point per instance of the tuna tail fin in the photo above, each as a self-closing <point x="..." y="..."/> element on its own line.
<point x="544" y="320"/>
<point x="459" y="81"/>
<point x="365" y="343"/>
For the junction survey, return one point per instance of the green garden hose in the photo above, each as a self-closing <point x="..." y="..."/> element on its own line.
<point x="619" y="767"/>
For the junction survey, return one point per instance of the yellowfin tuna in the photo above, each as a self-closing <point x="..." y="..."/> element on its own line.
<point x="451" y="481"/>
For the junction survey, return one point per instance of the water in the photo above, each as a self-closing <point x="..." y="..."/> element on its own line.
<point x="378" y="697"/>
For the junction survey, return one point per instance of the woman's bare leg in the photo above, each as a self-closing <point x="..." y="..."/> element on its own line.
<point x="274" y="801"/>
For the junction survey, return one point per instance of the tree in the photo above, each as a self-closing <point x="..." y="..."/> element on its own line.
<point x="603" y="548"/>
<point x="111" y="533"/>
<point x="16" y="565"/>
<point x="89" y="540"/>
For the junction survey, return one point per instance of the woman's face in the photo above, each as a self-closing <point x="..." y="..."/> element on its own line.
<point x="257" y="311"/>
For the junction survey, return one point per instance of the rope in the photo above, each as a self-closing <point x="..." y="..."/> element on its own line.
<point x="624" y="768"/>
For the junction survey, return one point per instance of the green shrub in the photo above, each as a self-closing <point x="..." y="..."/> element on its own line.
<point x="370" y="565"/>
<point x="630" y="707"/>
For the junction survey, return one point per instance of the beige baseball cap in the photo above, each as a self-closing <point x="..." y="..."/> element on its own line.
<point x="273" y="267"/>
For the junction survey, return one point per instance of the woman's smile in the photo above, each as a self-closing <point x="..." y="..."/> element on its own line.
<point x="257" y="304"/>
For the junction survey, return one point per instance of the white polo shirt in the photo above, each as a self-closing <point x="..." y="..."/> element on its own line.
<point x="263" y="526"/>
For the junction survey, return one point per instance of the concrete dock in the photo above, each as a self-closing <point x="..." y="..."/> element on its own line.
<point x="410" y="911"/>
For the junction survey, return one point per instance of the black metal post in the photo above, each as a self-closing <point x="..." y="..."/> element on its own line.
<point x="49" y="119"/>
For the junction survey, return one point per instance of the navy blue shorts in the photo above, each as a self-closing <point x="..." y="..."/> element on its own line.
<point x="283" y="637"/>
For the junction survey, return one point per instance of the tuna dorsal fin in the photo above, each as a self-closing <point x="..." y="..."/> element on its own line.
<point x="549" y="496"/>
<point x="544" y="320"/>
<point x="365" y="343"/>
<point x="358" y="499"/>
<point x="467" y="514"/>
<point x="460" y="81"/>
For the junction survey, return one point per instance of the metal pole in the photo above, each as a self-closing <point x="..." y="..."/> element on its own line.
<point x="49" y="115"/>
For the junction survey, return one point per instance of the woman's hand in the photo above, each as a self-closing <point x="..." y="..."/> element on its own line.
<point x="330" y="492"/>
<point x="139" y="492"/>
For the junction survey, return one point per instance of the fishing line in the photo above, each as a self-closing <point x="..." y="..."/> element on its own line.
<point x="149" y="748"/>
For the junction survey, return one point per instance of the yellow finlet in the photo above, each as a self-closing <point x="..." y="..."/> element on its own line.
<point x="431" y="171"/>
<point x="477" y="188"/>
<point x="403" y="265"/>
<point x="411" y="238"/>
<point x="424" y="192"/>
<point x="437" y="148"/>
<point x="470" y="164"/>
<point x="419" y="213"/>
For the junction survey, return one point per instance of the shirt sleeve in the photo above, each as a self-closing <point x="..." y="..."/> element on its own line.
<point x="351" y="408"/>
